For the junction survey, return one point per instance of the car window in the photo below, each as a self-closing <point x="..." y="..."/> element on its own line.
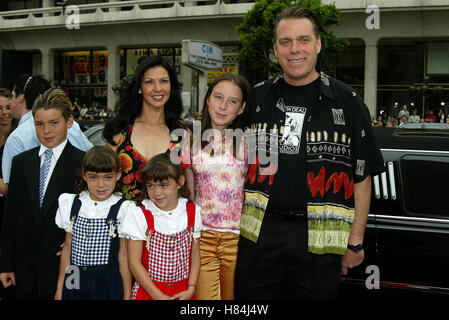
<point x="97" y="138"/>
<point x="425" y="183"/>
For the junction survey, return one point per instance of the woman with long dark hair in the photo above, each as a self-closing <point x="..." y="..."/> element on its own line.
<point x="146" y="117"/>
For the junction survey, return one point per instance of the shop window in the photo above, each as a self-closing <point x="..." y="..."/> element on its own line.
<point x="100" y="66"/>
<point x="75" y="2"/>
<point x="83" y="75"/>
<point x="75" y="68"/>
<point x="133" y="55"/>
<point x="95" y="99"/>
<point x="390" y="100"/>
<point x="16" y="5"/>
<point x="350" y="65"/>
<point x="230" y="63"/>
<point x="81" y="2"/>
<point x="397" y="65"/>
<point x="31" y="4"/>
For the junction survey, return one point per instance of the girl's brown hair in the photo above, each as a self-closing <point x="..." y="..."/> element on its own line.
<point x="206" y="121"/>
<point x="99" y="159"/>
<point x="158" y="169"/>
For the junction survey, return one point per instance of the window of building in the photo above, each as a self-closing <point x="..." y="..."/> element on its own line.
<point x="349" y="65"/>
<point x="403" y="64"/>
<point x="80" y="2"/>
<point x="134" y="55"/>
<point x="22" y="4"/>
<point x="397" y="65"/>
<point x="83" y="76"/>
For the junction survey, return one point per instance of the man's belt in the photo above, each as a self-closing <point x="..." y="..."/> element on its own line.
<point x="287" y="214"/>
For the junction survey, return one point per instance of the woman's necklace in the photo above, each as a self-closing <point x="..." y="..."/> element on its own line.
<point x="150" y="130"/>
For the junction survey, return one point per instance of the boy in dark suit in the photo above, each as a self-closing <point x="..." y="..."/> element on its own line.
<point x="30" y="238"/>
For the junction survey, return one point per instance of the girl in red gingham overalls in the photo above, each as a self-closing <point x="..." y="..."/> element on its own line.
<point x="163" y="247"/>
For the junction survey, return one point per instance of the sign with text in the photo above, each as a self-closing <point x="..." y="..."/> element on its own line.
<point x="202" y="54"/>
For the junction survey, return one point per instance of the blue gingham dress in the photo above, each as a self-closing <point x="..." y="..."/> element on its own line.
<point x="95" y="245"/>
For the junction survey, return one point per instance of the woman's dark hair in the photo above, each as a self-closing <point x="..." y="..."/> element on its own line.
<point x="206" y="121"/>
<point x="129" y="107"/>
<point x="99" y="159"/>
<point x="161" y="168"/>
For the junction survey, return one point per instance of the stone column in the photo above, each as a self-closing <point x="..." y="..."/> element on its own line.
<point x="370" y="88"/>
<point x="113" y="76"/>
<point x="48" y="4"/>
<point x="186" y="87"/>
<point x="190" y="3"/>
<point x="47" y="64"/>
<point x="37" y="63"/>
<point x="114" y="9"/>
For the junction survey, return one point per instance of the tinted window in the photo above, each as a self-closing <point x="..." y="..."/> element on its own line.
<point x="425" y="181"/>
<point x="97" y="138"/>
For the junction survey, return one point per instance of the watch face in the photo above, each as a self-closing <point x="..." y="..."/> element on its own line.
<point x="356" y="247"/>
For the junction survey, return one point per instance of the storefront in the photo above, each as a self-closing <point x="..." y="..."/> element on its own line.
<point x="402" y="68"/>
<point x="133" y="55"/>
<point x="230" y="63"/>
<point x="82" y="74"/>
<point x="173" y="56"/>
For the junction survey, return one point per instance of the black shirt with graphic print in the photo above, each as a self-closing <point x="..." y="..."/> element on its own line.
<point x="288" y="192"/>
<point x="340" y="148"/>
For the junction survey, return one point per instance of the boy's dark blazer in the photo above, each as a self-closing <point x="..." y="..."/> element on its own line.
<point x="30" y="237"/>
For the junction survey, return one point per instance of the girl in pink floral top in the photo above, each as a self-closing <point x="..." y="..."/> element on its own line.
<point x="219" y="165"/>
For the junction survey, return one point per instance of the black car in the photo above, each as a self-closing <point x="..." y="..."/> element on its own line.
<point x="95" y="134"/>
<point x="407" y="235"/>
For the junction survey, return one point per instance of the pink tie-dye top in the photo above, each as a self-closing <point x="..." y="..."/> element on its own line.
<point x="219" y="185"/>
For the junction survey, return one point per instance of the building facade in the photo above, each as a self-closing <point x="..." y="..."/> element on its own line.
<point x="88" y="46"/>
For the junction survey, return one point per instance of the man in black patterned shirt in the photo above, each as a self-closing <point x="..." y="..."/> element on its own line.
<point x="304" y="225"/>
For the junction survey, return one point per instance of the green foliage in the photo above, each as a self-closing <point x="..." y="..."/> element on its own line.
<point x="256" y="33"/>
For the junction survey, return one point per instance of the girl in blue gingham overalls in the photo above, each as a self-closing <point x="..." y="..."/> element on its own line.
<point x="94" y="250"/>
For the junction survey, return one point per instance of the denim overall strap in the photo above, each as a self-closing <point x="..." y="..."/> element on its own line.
<point x="111" y="220"/>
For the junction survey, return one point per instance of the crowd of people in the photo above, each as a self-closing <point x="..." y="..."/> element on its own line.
<point x="92" y="113"/>
<point x="404" y="117"/>
<point x="158" y="213"/>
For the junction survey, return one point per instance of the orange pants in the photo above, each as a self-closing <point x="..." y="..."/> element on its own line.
<point x="218" y="260"/>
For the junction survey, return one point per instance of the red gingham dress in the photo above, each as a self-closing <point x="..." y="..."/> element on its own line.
<point x="167" y="258"/>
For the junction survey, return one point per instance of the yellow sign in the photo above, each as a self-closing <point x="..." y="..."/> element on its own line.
<point x="213" y="74"/>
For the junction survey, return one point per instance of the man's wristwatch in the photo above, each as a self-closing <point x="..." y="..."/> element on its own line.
<point x="357" y="247"/>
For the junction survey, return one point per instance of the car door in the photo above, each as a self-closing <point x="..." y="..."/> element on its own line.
<point x="410" y="218"/>
<point x="407" y="235"/>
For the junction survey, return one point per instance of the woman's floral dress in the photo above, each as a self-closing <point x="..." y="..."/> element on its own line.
<point x="132" y="162"/>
